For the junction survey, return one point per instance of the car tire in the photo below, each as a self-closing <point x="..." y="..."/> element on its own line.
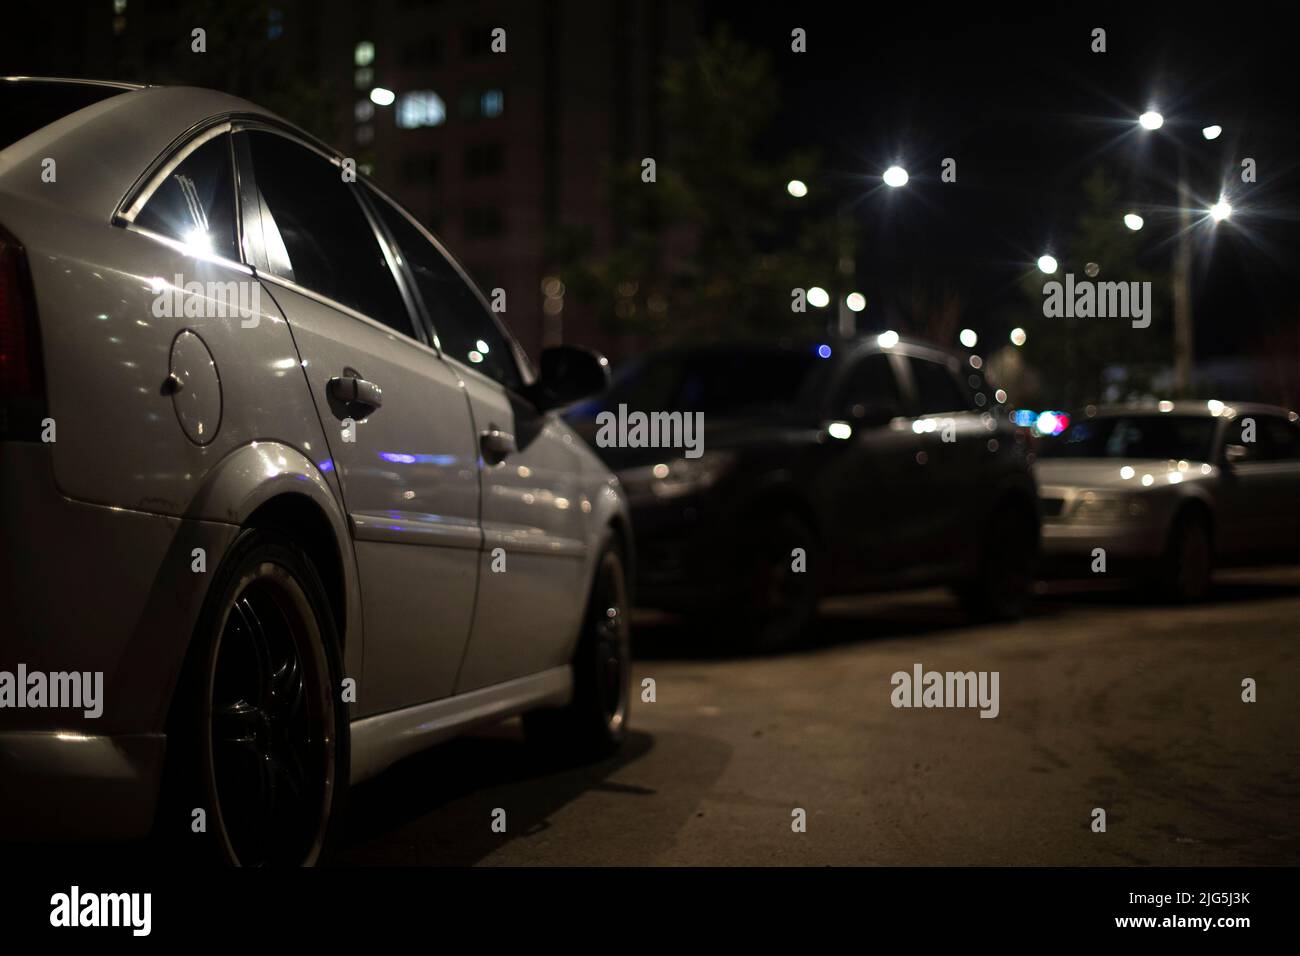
<point x="258" y="739"/>
<point x="767" y="606"/>
<point x="1008" y="558"/>
<point x="1187" y="567"/>
<point x="593" y="725"/>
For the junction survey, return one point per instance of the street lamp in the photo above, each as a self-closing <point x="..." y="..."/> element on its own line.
<point x="1151" y="120"/>
<point x="797" y="188"/>
<point x="1133" y="221"/>
<point x="895" y="176"/>
<point x="1047" y="264"/>
<point x="1183" y="347"/>
<point x="818" y="297"/>
<point x="968" y="338"/>
<point x="856" y="301"/>
<point x="1221" y="210"/>
<point x="1018" y="337"/>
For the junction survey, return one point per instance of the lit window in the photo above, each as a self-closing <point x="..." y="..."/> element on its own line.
<point x="493" y="102"/>
<point x="420" y="108"/>
<point x="364" y="54"/>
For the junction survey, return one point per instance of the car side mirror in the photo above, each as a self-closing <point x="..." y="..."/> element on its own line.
<point x="568" y="373"/>
<point x="1235" y="453"/>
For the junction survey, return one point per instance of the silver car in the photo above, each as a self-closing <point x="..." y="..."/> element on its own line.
<point x="1171" y="490"/>
<point x="283" y="502"/>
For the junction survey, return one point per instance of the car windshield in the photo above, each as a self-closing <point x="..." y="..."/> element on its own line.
<point x="728" y="382"/>
<point x="1135" y="436"/>
<point x="27" y="107"/>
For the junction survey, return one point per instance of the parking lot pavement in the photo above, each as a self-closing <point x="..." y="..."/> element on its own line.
<point x="1104" y="702"/>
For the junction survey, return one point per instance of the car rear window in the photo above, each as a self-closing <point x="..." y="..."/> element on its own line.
<point x="27" y="107"/>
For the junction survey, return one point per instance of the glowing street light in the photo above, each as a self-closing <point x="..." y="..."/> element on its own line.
<point x="797" y="188"/>
<point x="1047" y="264"/>
<point x="856" y="301"/>
<point x="1221" y="210"/>
<point x="1018" y="337"/>
<point x="1133" y="221"/>
<point x="1151" y="120"/>
<point x="1212" y="132"/>
<point x="818" y="297"/>
<point x="887" y="340"/>
<point x="895" y="176"/>
<point x="382" y="97"/>
<point x="968" y="338"/>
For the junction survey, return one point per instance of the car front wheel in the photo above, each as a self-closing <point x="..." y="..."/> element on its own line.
<point x="594" y="724"/>
<point x="1188" y="564"/>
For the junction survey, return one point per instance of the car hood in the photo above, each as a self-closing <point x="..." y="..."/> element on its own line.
<point x="1106" y="473"/>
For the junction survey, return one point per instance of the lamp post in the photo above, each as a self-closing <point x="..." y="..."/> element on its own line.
<point x="1184" y="341"/>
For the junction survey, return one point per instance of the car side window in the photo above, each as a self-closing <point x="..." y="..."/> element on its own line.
<point x="1276" y="440"/>
<point x="328" y="244"/>
<point x="870" y="384"/>
<point x="464" y="328"/>
<point x="936" y="388"/>
<point x="196" y="202"/>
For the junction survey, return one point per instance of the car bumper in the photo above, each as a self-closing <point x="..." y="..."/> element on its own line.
<point x="78" y="787"/>
<point x="1070" y="545"/>
<point x="89" y="589"/>
<point x="677" y="553"/>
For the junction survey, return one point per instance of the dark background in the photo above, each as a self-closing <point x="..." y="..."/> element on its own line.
<point x="545" y="188"/>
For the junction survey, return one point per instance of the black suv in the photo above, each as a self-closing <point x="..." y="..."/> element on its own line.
<point x="827" y="468"/>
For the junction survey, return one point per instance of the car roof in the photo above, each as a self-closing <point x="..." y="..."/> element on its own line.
<point x="102" y="150"/>
<point x="841" y="347"/>
<point x="1213" y="408"/>
<point x="74" y="81"/>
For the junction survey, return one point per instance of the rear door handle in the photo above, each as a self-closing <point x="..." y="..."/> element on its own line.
<point x="496" y="445"/>
<point x="352" y="389"/>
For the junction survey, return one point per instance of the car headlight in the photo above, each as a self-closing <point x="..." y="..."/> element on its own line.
<point x="1098" y="507"/>
<point x="677" y="477"/>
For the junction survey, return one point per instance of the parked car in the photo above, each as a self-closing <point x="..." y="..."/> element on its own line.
<point x="1169" y="491"/>
<point x="271" y="469"/>
<point x="826" y="468"/>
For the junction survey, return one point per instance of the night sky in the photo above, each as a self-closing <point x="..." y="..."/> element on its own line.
<point x="1027" y="110"/>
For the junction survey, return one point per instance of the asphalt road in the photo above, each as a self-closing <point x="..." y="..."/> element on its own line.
<point x="1104" y="702"/>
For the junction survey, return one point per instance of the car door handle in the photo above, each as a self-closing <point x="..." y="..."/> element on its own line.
<point x="496" y="445"/>
<point x="351" y="389"/>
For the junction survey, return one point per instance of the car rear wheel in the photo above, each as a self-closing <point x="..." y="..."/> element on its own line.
<point x="261" y="739"/>
<point x="1188" y="564"/>
<point x="594" y="724"/>
<point x="1008" y="558"/>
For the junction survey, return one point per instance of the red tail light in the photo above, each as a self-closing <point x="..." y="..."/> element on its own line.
<point x="22" y="383"/>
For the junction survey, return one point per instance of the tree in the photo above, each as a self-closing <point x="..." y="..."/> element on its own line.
<point x="714" y="246"/>
<point x="1080" y="360"/>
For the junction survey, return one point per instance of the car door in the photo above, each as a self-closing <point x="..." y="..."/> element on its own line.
<point x="532" y="588"/>
<point x="399" y="434"/>
<point x="955" y="444"/>
<point x="1259" y="510"/>
<point x="873" y="475"/>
